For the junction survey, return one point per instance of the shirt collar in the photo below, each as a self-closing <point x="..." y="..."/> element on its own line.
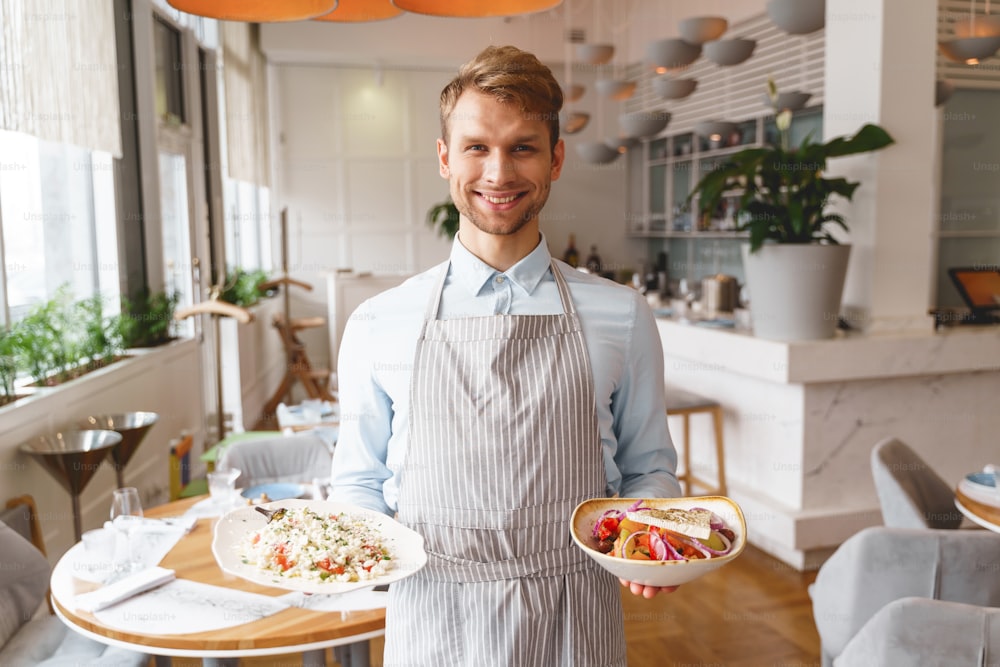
<point x="472" y="273"/>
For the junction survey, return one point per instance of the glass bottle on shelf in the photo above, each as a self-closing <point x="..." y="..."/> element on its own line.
<point x="572" y="256"/>
<point x="594" y="261"/>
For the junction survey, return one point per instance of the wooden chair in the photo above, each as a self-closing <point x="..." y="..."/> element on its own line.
<point x="683" y="404"/>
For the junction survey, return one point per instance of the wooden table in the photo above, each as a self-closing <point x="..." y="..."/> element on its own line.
<point x="982" y="514"/>
<point x="292" y="630"/>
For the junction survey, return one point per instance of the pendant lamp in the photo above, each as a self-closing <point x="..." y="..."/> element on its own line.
<point x="701" y="29"/>
<point x="572" y="92"/>
<point x="970" y="50"/>
<point x="673" y="89"/>
<point x="594" y="54"/>
<point x="615" y="89"/>
<point x="728" y="52"/>
<point x="571" y="122"/>
<point x="673" y="53"/>
<point x="797" y="17"/>
<point x="357" y="11"/>
<point x="643" y="123"/>
<point x="986" y="25"/>
<point x="256" y="11"/>
<point x="597" y="152"/>
<point x="623" y="144"/>
<point x="475" y="8"/>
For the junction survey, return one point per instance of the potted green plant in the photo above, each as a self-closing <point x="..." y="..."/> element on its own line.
<point x="795" y="267"/>
<point x="444" y="218"/>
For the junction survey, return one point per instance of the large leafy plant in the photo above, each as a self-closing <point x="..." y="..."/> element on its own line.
<point x="783" y="192"/>
<point x="444" y="217"/>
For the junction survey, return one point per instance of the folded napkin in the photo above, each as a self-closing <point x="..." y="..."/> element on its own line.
<point x="123" y="589"/>
<point x="147" y="524"/>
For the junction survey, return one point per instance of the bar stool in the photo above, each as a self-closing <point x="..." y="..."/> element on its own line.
<point x="683" y="404"/>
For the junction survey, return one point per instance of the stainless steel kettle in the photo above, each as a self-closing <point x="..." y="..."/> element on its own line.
<point x="720" y="293"/>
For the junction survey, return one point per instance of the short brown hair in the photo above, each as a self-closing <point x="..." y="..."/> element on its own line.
<point x="511" y="76"/>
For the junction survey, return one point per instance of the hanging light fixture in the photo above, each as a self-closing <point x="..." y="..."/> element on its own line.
<point x="728" y="52"/>
<point x="975" y="40"/>
<point x="792" y="100"/>
<point x="572" y="92"/>
<point x="623" y="144"/>
<point x="673" y="53"/>
<point x="673" y="89"/>
<point x="357" y="11"/>
<point x="597" y="152"/>
<point x="643" y="123"/>
<point x="256" y="11"/>
<point x="475" y="8"/>
<point x="701" y="29"/>
<point x="978" y="25"/>
<point x="615" y="89"/>
<point x="797" y="17"/>
<point x="571" y="122"/>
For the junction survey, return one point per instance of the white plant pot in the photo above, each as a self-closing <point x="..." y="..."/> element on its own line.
<point x="795" y="289"/>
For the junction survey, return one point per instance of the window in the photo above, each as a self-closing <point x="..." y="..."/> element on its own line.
<point x="58" y="223"/>
<point x="247" y="226"/>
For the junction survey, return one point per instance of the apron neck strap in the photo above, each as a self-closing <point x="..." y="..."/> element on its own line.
<point x="434" y="303"/>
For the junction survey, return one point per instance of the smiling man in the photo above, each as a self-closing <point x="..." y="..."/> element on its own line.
<point x="482" y="400"/>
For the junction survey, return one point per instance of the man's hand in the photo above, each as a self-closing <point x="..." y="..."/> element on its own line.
<point x="647" y="591"/>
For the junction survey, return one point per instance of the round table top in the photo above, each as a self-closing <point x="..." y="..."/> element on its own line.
<point x="288" y="631"/>
<point x="987" y="516"/>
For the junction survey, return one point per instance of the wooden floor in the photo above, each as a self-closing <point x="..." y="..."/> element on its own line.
<point x="754" y="611"/>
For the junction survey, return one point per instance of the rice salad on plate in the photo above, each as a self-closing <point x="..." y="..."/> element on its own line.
<point x="304" y="544"/>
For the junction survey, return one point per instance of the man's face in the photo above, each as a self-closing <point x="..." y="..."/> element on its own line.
<point x="498" y="163"/>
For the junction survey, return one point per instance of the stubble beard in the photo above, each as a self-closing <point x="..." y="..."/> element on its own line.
<point x="502" y="228"/>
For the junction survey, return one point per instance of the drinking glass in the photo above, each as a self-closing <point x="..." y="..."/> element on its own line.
<point x="126" y="513"/>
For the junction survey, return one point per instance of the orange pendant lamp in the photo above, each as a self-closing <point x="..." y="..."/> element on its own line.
<point x="256" y="11"/>
<point x="475" y="8"/>
<point x="356" y="11"/>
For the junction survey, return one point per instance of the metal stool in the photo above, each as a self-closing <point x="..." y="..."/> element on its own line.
<point x="683" y="404"/>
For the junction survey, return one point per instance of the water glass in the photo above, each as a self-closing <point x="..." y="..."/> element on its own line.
<point x="126" y="514"/>
<point x="222" y="486"/>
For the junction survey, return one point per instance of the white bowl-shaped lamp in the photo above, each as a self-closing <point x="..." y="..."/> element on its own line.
<point x="573" y="92"/>
<point x="979" y="26"/>
<point x="970" y="50"/>
<point x="797" y="17"/>
<point x="728" y="52"/>
<point x="623" y="144"/>
<point x="942" y="91"/>
<point x="571" y="122"/>
<point x="715" y="129"/>
<point x="597" y="152"/>
<point x="643" y="123"/>
<point x="674" y="53"/>
<point x="673" y="89"/>
<point x="792" y="100"/>
<point x="615" y="89"/>
<point x="701" y="29"/>
<point x="595" y="54"/>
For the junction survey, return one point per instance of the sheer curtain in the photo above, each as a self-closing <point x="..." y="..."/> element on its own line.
<point x="245" y="79"/>
<point x="59" y="72"/>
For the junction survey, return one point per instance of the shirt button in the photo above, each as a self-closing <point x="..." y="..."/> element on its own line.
<point x="499" y="279"/>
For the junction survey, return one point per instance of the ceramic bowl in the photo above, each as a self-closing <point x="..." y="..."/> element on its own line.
<point x="658" y="573"/>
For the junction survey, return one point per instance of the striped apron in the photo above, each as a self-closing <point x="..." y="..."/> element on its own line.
<point x="503" y="445"/>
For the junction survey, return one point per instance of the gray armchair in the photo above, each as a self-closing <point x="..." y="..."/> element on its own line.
<point x="880" y="565"/>
<point x="303" y="458"/>
<point x="917" y="632"/>
<point x="910" y="493"/>
<point x="29" y="635"/>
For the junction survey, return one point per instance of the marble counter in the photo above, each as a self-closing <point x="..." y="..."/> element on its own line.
<point x="801" y="419"/>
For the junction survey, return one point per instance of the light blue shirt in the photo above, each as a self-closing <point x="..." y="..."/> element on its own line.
<point x="377" y="352"/>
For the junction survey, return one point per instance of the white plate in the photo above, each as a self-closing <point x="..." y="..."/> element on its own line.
<point x="405" y="545"/>
<point x="658" y="573"/>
